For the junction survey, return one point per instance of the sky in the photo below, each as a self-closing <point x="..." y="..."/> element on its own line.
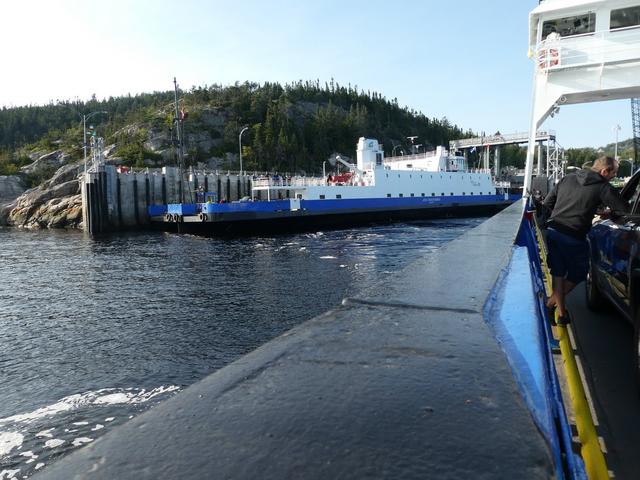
<point x="460" y="59"/>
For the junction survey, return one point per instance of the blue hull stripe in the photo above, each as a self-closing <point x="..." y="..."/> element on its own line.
<point x="334" y="205"/>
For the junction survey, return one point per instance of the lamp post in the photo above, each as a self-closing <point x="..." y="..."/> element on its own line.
<point x="616" y="128"/>
<point x="240" y="143"/>
<point x="84" y="119"/>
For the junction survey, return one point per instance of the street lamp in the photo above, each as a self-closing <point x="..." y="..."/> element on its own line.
<point x="616" y="128"/>
<point x="393" y="152"/>
<point x="84" y="119"/>
<point x="240" y="143"/>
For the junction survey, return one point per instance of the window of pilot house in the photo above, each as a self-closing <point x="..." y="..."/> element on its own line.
<point x="570" y="26"/>
<point x="625" y="17"/>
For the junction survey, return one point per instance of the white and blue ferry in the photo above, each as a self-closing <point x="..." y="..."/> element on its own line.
<point x="375" y="189"/>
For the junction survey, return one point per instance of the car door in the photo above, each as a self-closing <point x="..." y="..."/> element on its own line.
<point x="617" y="242"/>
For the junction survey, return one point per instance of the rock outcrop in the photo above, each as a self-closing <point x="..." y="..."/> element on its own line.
<point x="10" y="188"/>
<point x="48" y="161"/>
<point x="54" y="204"/>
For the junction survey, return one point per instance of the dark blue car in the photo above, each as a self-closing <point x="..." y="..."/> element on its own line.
<point x="614" y="270"/>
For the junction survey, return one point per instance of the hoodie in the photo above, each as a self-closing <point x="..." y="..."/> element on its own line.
<point x="574" y="200"/>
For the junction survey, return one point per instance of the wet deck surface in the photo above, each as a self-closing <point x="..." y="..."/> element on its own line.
<point x="605" y="345"/>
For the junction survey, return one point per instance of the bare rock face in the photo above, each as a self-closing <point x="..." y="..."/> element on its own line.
<point x="54" y="204"/>
<point x="46" y="162"/>
<point x="10" y="188"/>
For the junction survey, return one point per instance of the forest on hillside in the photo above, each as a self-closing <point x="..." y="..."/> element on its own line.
<point x="290" y="128"/>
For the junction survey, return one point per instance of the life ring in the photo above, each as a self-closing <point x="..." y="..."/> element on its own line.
<point x="203" y="217"/>
<point x="167" y="217"/>
<point x="548" y="57"/>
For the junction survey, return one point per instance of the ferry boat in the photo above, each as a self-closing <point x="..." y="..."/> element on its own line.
<point x="374" y="189"/>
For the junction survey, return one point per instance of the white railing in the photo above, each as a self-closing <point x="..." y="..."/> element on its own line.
<point x="415" y="156"/>
<point x="617" y="46"/>
<point x="289" y="182"/>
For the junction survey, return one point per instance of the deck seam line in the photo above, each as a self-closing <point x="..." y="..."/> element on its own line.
<point x="356" y="301"/>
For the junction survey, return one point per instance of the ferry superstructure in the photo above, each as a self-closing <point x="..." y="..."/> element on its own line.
<point x="374" y="189"/>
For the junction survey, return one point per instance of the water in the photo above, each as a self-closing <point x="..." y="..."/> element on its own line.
<point x="93" y="332"/>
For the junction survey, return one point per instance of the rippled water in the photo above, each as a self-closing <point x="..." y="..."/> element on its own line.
<point x="92" y="332"/>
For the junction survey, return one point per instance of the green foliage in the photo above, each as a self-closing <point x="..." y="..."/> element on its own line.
<point x="292" y="128"/>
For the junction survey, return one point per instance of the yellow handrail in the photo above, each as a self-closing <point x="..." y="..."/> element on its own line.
<point x="590" y="446"/>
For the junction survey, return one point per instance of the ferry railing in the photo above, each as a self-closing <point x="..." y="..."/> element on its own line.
<point x="609" y="46"/>
<point x="288" y="182"/>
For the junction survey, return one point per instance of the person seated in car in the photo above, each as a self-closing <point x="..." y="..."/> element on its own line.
<point x="573" y="203"/>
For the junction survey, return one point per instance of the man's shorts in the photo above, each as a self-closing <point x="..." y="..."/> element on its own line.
<point x="567" y="256"/>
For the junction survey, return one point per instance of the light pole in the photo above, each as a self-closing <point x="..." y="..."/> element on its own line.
<point x="240" y="143"/>
<point x="616" y="128"/>
<point x="84" y="119"/>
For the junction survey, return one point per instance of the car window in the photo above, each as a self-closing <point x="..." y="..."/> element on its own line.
<point x="631" y="192"/>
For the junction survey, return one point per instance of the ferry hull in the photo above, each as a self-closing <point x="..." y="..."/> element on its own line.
<point x="278" y="217"/>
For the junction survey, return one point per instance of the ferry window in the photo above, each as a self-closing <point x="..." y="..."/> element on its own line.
<point x="442" y="193"/>
<point x="321" y="197"/>
<point x="570" y="26"/>
<point x="409" y="165"/>
<point x="401" y="195"/>
<point x="412" y="195"/>
<point x="451" y="193"/>
<point x="625" y="17"/>
<point x="398" y="175"/>
<point x="463" y="193"/>
<point x="410" y="176"/>
<point x="388" y="195"/>
<point x="338" y="196"/>
<point x="378" y="159"/>
<point x="433" y="194"/>
<point x="387" y="175"/>
<point x="299" y="196"/>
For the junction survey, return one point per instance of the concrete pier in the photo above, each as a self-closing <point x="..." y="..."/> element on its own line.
<point x="114" y="201"/>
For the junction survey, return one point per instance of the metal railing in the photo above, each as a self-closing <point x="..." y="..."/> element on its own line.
<point x="289" y="182"/>
<point x="616" y="46"/>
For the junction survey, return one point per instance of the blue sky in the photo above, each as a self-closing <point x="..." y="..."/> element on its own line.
<point x="462" y="59"/>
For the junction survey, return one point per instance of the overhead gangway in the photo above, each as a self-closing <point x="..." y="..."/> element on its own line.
<point x="550" y="163"/>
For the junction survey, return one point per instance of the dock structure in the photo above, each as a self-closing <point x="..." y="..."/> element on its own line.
<point x="549" y="158"/>
<point x="114" y="200"/>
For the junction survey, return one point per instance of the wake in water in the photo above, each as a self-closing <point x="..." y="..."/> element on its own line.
<point x="29" y="441"/>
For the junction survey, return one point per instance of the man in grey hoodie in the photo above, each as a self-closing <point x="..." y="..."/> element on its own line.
<point x="573" y="204"/>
